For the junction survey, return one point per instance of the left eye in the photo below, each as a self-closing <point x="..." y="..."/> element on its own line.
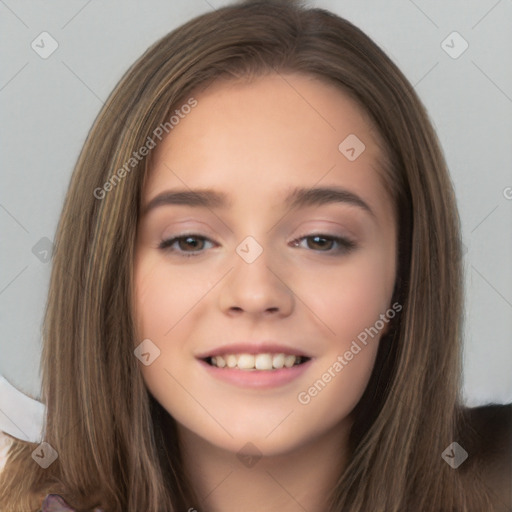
<point x="344" y="245"/>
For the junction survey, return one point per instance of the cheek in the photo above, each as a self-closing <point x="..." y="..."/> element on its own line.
<point x="348" y="298"/>
<point x="350" y="301"/>
<point x="163" y="295"/>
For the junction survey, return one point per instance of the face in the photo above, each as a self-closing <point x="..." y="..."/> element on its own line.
<point x="266" y="308"/>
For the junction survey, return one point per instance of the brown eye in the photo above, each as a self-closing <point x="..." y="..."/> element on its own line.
<point x="320" y="242"/>
<point x="325" y="243"/>
<point x="190" y="242"/>
<point x="187" y="245"/>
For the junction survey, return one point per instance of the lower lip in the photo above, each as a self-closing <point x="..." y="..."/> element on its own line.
<point x="261" y="379"/>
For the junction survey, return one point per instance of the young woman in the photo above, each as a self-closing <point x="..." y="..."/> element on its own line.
<point x="256" y="297"/>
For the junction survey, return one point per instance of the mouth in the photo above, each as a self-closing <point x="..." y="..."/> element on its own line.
<point x="263" y="365"/>
<point x="266" y="362"/>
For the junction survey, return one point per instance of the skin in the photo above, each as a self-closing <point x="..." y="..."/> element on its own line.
<point x="253" y="140"/>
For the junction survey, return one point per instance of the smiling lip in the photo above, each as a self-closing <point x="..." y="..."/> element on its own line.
<point x="260" y="379"/>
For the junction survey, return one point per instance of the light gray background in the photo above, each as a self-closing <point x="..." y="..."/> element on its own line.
<point x="48" y="106"/>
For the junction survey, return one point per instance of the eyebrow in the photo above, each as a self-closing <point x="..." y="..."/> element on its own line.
<point x="298" y="197"/>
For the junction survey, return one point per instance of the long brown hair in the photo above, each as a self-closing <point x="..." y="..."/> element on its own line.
<point x="117" y="447"/>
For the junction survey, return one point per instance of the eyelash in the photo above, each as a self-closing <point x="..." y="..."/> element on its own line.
<point x="345" y="245"/>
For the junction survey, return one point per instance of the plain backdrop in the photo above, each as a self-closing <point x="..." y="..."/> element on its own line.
<point x="48" y="105"/>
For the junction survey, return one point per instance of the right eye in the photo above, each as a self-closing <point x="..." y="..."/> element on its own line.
<point x="184" y="242"/>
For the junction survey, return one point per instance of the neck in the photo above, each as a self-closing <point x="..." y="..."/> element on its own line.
<point x="302" y="479"/>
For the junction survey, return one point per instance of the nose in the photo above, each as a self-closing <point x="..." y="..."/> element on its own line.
<point x="256" y="288"/>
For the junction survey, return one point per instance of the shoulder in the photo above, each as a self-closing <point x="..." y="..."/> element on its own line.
<point x="486" y="435"/>
<point x="488" y="429"/>
<point x="56" y="503"/>
<point x="490" y="416"/>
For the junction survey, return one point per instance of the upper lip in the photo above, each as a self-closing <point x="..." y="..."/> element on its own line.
<point x="263" y="347"/>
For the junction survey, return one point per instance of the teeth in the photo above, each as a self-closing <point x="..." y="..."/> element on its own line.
<point x="256" y="361"/>
<point x="219" y="361"/>
<point x="278" y="360"/>
<point x="245" y="362"/>
<point x="289" y="361"/>
<point x="231" y="361"/>
<point x="263" y="362"/>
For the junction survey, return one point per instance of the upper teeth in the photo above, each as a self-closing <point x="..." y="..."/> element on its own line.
<point x="255" y="361"/>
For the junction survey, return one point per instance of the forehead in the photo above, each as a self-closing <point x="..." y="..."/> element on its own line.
<point x="255" y="138"/>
